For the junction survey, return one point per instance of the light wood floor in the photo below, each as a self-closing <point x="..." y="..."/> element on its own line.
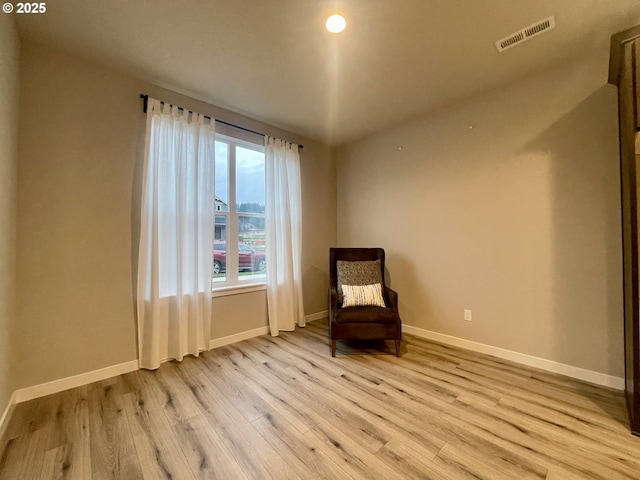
<point x="283" y="408"/>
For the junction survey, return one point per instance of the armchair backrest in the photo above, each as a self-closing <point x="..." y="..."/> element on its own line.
<point x="353" y="255"/>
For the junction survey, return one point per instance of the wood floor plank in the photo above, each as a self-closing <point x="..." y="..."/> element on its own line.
<point x="278" y="397"/>
<point x="311" y="411"/>
<point x="25" y="455"/>
<point x="591" y="450"/>
<point x="282" y="407"/>
<point x="573" y="398"/>
<point x="376" y="411"/>
<point x="519" y="437"/>
<point x="70" y="435"/>
<point x="32" y="416"/>
<point x="331" y="409"/>
<point x="559" y="473"/>
<point x="240" y="436"/>
<point x="206" y="453"/>
<point x="176" y="398"/>
<point x="348" y="453"/>
<point x="233" y="387"/>
<point x="375" y="403"/>
<point x="55" y="464"/>
<point x="592" y="427"/>
<point x="496" y="462"/>
<point x="303" y="453"/>
<point x="113" y="454"/>
<point x="66" y="462"/>
<point x="458" y="465"/>
<point x="455" y="355"/>
<point x="158" y="450"/>
<point x="411" y="461"/>
<point x="370" y="435"/>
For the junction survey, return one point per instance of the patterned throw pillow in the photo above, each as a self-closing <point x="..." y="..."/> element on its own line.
<point x="363" y="295"/>
<point x="358" y="273"/>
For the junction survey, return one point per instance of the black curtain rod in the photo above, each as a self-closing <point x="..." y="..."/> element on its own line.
<point x="145" y="98"/>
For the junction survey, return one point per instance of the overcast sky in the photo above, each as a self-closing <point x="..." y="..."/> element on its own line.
<point x="249" y="172"/>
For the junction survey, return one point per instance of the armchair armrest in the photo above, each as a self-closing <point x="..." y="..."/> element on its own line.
<point x="333" y="301"/>
<point x="391" y="298"/>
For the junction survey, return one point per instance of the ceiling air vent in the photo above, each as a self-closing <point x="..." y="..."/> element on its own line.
<point x="526" y="33"/>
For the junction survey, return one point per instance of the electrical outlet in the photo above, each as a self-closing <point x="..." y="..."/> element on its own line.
<point x="467" y="315"/>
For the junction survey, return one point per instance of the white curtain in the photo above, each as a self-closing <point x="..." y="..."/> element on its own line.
<point x="176" y="235"/>
<point x="283" y="236"/>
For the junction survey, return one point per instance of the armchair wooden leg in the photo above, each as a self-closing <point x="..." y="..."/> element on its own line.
<point x="398" y="348"/>
<point x="333" y="348"/>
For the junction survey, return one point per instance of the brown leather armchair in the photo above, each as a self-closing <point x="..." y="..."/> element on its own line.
<point x="361" y="322"/>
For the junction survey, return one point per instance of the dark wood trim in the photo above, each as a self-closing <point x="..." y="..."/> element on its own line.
<point x="623" y="75"/>
<point x="615" y="51"/>
<point x="634" y="78"/>
<point x="632" y="323"/>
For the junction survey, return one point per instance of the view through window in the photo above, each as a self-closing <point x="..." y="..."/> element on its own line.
<point x="239" y="236"/>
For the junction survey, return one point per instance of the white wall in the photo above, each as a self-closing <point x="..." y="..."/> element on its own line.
<point x="517" y="219"/>
<point x="9" y="92"/>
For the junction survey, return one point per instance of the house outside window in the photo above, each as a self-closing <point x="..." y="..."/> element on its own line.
<point x="239" y="248"/>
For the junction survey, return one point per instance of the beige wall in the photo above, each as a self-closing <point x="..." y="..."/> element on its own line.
<point x="9" y="85"/>
<point x="517" y="219"/>
<point x="229" y="312"/>
<point x="81" y="141"/>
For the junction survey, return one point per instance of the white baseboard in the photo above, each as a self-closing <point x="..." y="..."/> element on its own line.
<point x="316" y="316"/>
<point x="29" y="393"/>
<point x="529" y="360"/>
<point x="238" y="337"/>
<point x="55" y="386"/>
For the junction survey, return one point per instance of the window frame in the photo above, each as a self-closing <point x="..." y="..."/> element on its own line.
<point x="234" y="283"/>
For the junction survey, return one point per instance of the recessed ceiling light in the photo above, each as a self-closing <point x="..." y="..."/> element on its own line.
<point x="336" y="23"/>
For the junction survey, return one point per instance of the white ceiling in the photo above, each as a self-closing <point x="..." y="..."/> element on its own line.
<point x="274" y="61"/>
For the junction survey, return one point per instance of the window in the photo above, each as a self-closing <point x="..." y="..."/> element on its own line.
<point x="239" y="235"/>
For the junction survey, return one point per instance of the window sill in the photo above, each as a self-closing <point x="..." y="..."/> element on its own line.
<point x="237" y="289"/>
